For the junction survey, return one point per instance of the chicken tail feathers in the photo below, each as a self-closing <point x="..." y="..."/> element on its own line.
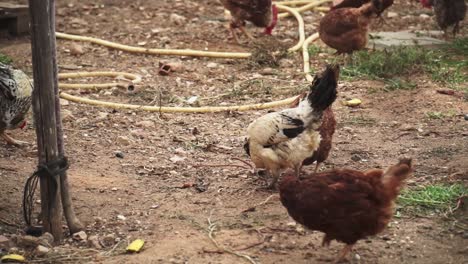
<point x="395" y="176"/>
<point x="323" y="89"/>
<point x="7" y="82"/>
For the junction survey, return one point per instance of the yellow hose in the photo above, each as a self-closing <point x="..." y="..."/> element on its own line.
<point x="305" y="55"/>
<point x="134" y="79"/>
<point x="149" y="108"/>
<point x="312" y="5"/>
<point x="186" y="52"/>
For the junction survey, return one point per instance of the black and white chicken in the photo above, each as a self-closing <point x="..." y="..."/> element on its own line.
<point x="283" y="139"/>
<point x="15" y="101"/>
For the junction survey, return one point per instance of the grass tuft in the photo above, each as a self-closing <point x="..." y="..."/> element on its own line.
<point x="440" y="198"/>
<point x="445" y="65"/>
<point x="5" y="59"/>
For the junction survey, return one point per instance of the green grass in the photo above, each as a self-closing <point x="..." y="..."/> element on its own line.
<point x="446" y="65"/>
<point x="5" y="59"/>
<point x="440" y="198"/>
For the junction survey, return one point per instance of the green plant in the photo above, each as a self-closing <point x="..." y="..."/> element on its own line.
<point x="443" y="65"/>
<point x="432" y="198"/>
<point x="314" y="50"/>
<point x="5" y="59"/>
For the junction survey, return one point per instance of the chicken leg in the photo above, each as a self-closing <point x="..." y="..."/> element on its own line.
<point x="11" y="140"/>
<point x="317" y="166"/>
<point x="343" y="253"/>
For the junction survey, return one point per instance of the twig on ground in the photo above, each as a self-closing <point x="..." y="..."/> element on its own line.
<point x="212" y="229"/>
<point x="253" y="208"/>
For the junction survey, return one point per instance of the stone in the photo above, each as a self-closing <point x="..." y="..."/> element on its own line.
<point x="385" y="40"/>
<point x="212" y="65"/>
<point x="80" y="236"/>
<point x="93" y="241"/>
<point x="177" y="19"/>
<point x="41" y="251"/>
<point x="108" y="240"/>
<point x="123" y="140"/>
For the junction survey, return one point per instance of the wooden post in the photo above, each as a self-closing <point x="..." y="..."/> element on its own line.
<point x="73" y="222"/>
<point x="42" y="43"/>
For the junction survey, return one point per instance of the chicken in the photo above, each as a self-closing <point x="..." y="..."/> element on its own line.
<point x="283" y="139"/>
<point x="347" y="205"/>
<point x="448" y="13"/>
<point x="260" y="12"/>
<point x="358" y="3"/>
<point x="326" y="130"/>
<point x="15" y="101"/>
<point x="346" y="29"/>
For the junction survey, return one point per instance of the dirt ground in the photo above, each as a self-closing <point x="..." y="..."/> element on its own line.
<point x="143" y="194"/>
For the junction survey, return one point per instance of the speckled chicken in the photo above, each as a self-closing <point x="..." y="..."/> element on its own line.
<point x="347" y="205"/>
<point x="448" y="13"/>
<point x="262" y="13"/>
<point x="15" y="101"/>
<point x="346" y="29"/>
<point x="283" y="139"/>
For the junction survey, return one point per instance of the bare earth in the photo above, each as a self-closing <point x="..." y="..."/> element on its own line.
<point x="162" y="153"/>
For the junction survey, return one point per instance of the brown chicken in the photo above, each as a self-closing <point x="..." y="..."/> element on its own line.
<point x="358" y="3"/>
<point x="262" y="13"/>
<point x="346" y="29"/>
<point x="347" y="205"/>
<point x="448" y="13"/>
<point x="326" y="130"/>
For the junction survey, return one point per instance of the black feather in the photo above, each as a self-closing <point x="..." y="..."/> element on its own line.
<point x="247" y="147"/>
<point x="293" y="132"/>
<point x="323" y="89"/>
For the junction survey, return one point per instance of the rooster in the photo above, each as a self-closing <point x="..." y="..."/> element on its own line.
<point x="284" y="139"/>
<point x="346" y="29"/>
<point x="447" y="13"/>
<point x="346" y="205"/>
<point x="262" y="13"/>
<point x="15" y="101"/>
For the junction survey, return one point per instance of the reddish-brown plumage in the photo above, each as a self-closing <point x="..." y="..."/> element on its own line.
<point x="327" y="129"/>
<point x="346" y="29"/>
<point x="358" y="3"/>
<point x="259" y="12"/>
<point x="347" y="205"/>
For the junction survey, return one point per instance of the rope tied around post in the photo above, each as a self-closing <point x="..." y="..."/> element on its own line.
<point x="50" y="169"/>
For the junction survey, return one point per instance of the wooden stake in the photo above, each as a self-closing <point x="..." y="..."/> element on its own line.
<point x="42" y="44"/>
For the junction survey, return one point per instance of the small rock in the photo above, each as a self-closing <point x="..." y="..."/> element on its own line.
<point x="121" y="217"/>
<point x="291" y="224"/>
<point x="114" y="189"/>
<point x="102" y="116"/>
<point x="123" y="140"/>
<point x="108" y="240"/>
<point x="466" y="117"/>
<point x="145" y="123"/>
<point x="192" y="100"/>
<point x="154" y="206"/>
<point x="177" y="19"/>
<point x="64" y="102"/>
<point x="177" y="159"/>
<point x="119" y="154"/>
<point x="76" y="49"/>
<point x="392" y="14"/>
<point x="424" y="16"/>
<point x="212" y="65"/>
<point x="93" y="241"/>
<point x="80" y="236"/>
<point x="47" y="239"/>
<point x="66" y="115"/>
<point x="355" y="157"/>
<point x="27" y="241"/>
<point x="4" y="242"/>
<point x="41" y="251"/>
<point x="465" y="235"/>
<point x="357" y="257"/>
